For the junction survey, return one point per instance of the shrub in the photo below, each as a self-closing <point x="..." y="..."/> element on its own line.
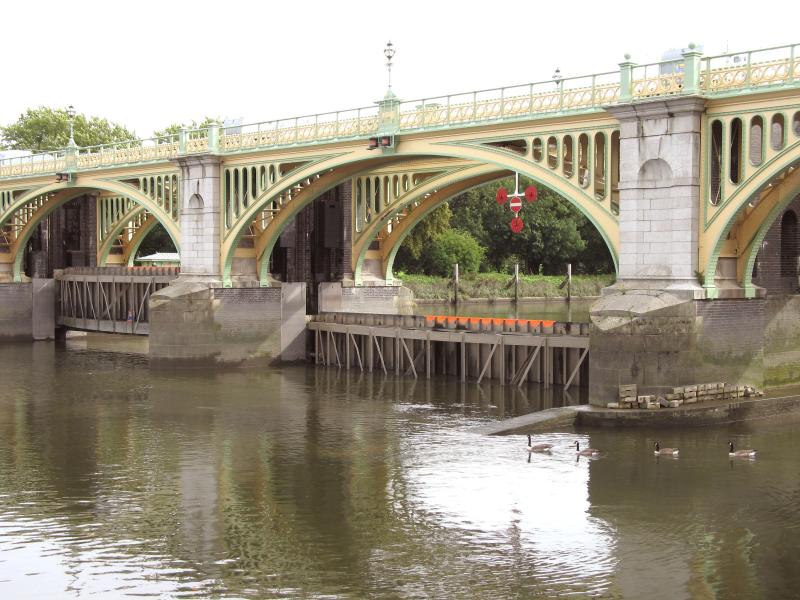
<point x="450" y="247"/>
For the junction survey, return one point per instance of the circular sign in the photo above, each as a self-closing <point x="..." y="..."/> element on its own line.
<point x="502" y="195"/>
<point x="515" y="205"/>
<point x="517" y="224"/>
<point x="531" y="193"/>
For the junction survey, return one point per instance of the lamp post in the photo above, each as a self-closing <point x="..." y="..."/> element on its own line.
<point x="557" y="79"/>
<point x="71" y="118"/>
<point x="389" y="52"/>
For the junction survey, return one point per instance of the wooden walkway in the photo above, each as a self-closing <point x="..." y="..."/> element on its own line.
<point x="512" y="351"/>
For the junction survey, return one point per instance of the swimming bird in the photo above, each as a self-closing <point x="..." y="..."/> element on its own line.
<point x="659" y="451"/>
<point x="586" y="451"/>
<point x="539" y="447"/>
<point x="747" y="453"/>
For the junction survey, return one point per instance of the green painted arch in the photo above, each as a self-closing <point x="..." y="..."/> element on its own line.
<point x="503" y="160"/>
<point x="140" y="236"/>
<point x="782" y="162"/>
<point x="389" y="265"/>
<point x="87" y="185"/>
<point x="451" y="185"/>
<point x="755" y="246"/>
<point x="108" y="243"/>
<point x="66" y="192"/>
<point x="134" y="243"/>
<point x="332" y="177"/>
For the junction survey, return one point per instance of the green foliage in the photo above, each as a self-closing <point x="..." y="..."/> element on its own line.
<point x="495" y="285"/>
<point x="175" y="128"/>
<point x="157" y="240"/>
<point x="555" y="232"/>
<point x="410" y="256"/>
<point x="451" y="247"/>
<point x="42" y="129"/>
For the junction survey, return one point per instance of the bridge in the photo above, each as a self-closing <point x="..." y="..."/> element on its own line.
<point x="683" y="166"/>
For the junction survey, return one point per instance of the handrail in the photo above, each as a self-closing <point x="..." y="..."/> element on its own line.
<point x="775" y="66"/>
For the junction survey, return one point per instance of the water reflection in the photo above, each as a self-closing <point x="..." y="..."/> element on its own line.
<point x="312" y="481"/>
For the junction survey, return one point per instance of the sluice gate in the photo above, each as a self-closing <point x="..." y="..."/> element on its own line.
<point x="511" y="351"/>
<point x="109" y="299"/>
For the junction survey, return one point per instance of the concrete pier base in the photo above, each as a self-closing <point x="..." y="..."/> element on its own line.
<point x="193" y="323"/>
<point x="27" y="310"/>
<point x="658" y="340"/>
<point x="384" y="299"/>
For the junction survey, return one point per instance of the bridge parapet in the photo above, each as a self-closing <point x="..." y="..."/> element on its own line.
<point x="719" y="75"/>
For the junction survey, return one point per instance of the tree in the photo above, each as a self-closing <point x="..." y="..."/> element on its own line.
<point x="42" y="129"/>
<point x="157" y="240"/>
<point x="175" y="128"/>
<point x="555" y="232"/>
<point x="451" y="247"/>
<point x="410" y="255"/>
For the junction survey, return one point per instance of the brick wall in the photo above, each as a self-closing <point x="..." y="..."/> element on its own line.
<point x="771" y="267"/>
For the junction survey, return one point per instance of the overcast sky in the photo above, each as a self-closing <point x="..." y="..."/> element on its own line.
<point x="146" y="64"/>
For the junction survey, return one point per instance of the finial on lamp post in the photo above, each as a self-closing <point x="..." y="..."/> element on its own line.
<point x="71" y="118"/>
<point x="557" y="76"/>
<point x="389" y="52"/>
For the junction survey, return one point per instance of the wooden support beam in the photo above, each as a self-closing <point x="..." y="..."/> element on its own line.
<point x="577" y="367"/>
<point x="488" y="360"/>
<point x="380" y="354"/>
<point x="358" y="352"/>
<point x="405" y="347"/>
<point x="526" y="365"/>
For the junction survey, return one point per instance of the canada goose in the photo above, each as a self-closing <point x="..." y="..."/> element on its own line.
<point x="539" y="447"/>
<point x="748" y="453"/>
<point x="659" y="451"/>
<point x="587" y="451"/>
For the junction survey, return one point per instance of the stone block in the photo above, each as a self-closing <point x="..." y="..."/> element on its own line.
<point x="612" y="405"/>
<point x="673" y="403"/>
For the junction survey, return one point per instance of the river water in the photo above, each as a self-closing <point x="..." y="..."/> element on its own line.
<point x="117" y="480"/>
<point x="557" y="309"/>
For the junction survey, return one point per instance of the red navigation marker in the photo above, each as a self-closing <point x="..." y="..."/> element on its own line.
<point x="531" y="193"/>
<point x="515" y="205"/>
<point x="517" y="224"/>
<point x="502" y="196"/>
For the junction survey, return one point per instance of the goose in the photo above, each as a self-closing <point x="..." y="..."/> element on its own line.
<point x="748" y="453"/>
<point x="539" y="447"/>
<point x="586" y="451"/>
<point x="659" y="451"/>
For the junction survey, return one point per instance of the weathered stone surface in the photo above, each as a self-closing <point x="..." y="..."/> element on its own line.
<point x="665" y="343"/>
<point x="383" y="299"/>
<point x="16" y="312"/>
<point x="193" y="324"/>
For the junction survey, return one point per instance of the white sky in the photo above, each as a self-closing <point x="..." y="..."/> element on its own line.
<point x="146" y="64"/>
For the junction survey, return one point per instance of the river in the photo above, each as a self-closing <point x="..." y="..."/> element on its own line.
<point x="557" y="309"/>
<point x="117" y="480"/>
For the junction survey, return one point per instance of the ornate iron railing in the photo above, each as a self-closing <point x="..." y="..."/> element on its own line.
<point x="731" y="73"/>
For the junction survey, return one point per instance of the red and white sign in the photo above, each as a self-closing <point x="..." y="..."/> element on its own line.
<point x="515" y="205"/>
